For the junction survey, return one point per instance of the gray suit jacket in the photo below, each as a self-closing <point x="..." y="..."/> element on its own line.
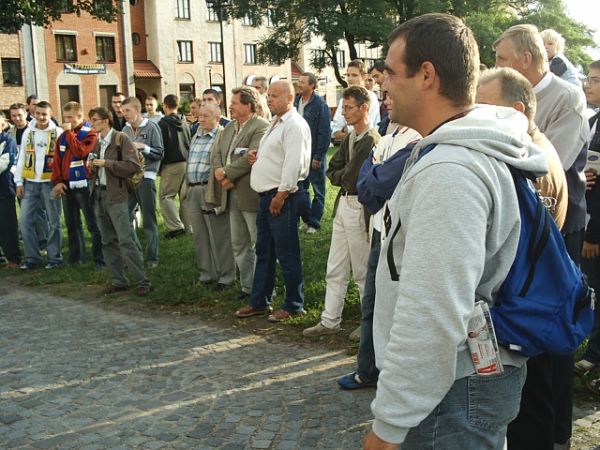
<point x="238" y="169"/>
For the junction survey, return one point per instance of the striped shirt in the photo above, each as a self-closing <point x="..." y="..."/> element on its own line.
<point x="198" y="168"/>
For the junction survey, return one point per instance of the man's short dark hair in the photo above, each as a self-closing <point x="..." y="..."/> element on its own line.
<point x="118" y="94"/>
<point x="379" y="65"/>
<point x="216" y="94"/>
<point x="594" y="65"/>
<point x="171" y="101"/>
<point x="312" y="79"/>
<point x="248" y="96"/>
<point x="102" y="113"/>
<point x="17" y="106"/>
<point x="44" y="105"/>
<point x="31" y="98"/>
<point x="359" y="94"/>
<point x="447" y="43"/>
<point x="359" y="65"/>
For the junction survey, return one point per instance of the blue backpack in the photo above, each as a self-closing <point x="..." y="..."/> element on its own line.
<point x="545" y="303"/>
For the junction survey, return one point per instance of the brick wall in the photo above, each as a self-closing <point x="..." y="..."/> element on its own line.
<point x="10" y="47"/>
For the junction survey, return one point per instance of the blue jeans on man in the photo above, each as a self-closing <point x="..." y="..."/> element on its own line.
<point x="312" y="212"/>
<point x="38" y="195"/>
<point x="277" y="239"/>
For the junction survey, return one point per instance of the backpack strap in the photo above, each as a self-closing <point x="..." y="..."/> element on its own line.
<point x="541" y="224"/>
<point x="390" y="250"/>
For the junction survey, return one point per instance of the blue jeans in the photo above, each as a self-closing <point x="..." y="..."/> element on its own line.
<point x="311" y="213"/>
<point x="277" y="239"/>
<point x="366" y="353"/>
<point x="77" y="201"/>
<point x="473" y="415"/>
<point x="38" y="195"/>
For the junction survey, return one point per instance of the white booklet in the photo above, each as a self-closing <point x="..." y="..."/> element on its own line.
<point x="482" y="342"/>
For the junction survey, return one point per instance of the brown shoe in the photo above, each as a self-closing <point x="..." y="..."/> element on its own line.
<point x="281" y="315"/>
<point x="11" y="265"/>
<point x="112" y="289"/>
<point x="142" y="291"/>
<point x="249" y="311"/>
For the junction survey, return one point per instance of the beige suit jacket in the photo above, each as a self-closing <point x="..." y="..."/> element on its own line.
<point x="235" y="164"/>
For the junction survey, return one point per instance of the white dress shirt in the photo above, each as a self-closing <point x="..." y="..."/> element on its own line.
<point x="104" y="143"/>
<point x="283" y="156"/>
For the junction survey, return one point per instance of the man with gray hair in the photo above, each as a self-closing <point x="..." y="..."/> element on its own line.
<point x="229" y="182"/>
<point x="547" y="403"/>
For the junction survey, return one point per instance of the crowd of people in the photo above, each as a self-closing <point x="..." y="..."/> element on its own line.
<point x="446" y="220"/>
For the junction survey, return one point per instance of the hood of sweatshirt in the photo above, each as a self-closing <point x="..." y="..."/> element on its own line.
<point x="174" y="120"/>
<point x="33" y="126"/>
<point x="495" y="131"/>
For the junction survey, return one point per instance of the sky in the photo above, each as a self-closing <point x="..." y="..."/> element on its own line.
<point x="587" y="12"/>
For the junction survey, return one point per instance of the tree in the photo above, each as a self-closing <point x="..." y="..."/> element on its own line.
<point x="370" y="21"/>
<point x="16" y="13"/>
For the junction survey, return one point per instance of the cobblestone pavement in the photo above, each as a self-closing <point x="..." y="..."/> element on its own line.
<point x="74" y="375"/>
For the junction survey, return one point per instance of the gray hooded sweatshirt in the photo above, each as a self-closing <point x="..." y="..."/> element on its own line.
<point x="460" y="229"/>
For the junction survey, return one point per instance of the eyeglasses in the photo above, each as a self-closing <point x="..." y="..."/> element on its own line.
<point x="591" y="81"/>
<point x="349" y="107"/>
<point x="96" y="119"/>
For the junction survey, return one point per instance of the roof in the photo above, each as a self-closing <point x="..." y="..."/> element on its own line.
<point x="145" y="69"/>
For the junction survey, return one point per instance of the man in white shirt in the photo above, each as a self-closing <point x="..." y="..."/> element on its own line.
<point x="282" y="160"/>
<point x="355" y="76"/>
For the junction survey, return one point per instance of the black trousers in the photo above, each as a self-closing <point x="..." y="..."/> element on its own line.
<point x="9" y="232"/>
<point x="546" y="413"/>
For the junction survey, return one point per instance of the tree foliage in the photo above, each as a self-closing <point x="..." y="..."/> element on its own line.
<point x="16" y="13"/>
<point x="370" y="21"/>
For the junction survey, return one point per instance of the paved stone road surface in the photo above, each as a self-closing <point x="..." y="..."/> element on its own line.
<point x="74" y="375"/>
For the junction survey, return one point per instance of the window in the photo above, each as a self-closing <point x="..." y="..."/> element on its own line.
<point x="341" y="58"/>
<point x="216" y="52"/>
<point x="247" y="21"/>
<point x="187" y="91"/>
<point x="319" y="57"/>
<point x="67" y="6"/>
<point x="270" y="19"/>
<point x="66" y="47"/>
<point x="11" y="72"/>
<point x="184" y="51"/>
<point x="250" y="53"/>
<point x="105" y="49"/>
<point x="183" y="9"/>
<point x="212" y="15"/>
<point x="136" y="38"/>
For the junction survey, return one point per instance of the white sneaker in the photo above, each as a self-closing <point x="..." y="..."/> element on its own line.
<point x="584" y="366"/>
<point x="320" y="330"/>
<point x="311" y="230"/>
<point x="303" y="226"/>
<point x="355" y="335"/>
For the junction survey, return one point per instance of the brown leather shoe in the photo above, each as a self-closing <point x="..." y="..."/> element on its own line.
<point x="112" y="289"/>
<point x="142" y="291"/>
<point x="281" y="315"/>
<point x="249" y="311"/>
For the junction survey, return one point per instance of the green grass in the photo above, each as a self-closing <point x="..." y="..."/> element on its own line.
<point x="173" y="282"/>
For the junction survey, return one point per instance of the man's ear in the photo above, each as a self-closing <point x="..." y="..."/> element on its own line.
<point x="427" y="74"/>
<point x="519" y="106"/>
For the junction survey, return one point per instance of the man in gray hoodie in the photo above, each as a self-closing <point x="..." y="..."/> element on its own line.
<point x="460" y="230"/>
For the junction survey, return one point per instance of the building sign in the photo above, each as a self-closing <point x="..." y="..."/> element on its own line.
<point x="85" y="69"/>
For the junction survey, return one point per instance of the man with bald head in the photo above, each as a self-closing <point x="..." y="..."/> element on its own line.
<point x="280" y="163"/>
